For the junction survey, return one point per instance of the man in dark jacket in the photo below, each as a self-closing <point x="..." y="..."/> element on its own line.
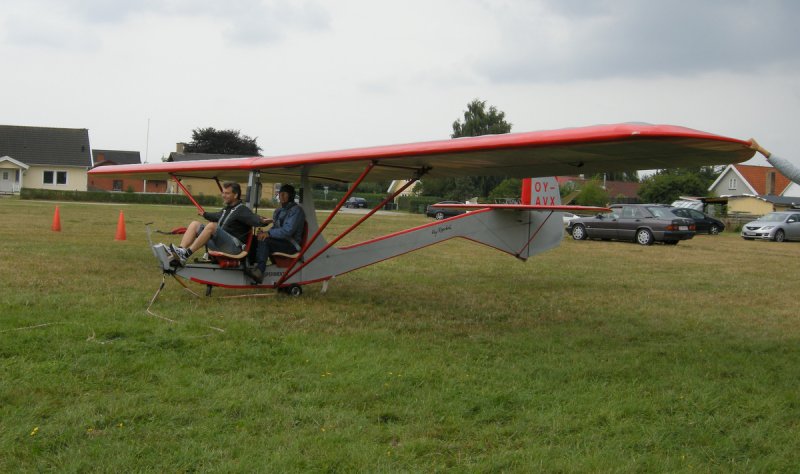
<point x="226" y="231"/>
<point x="286" y="234"/>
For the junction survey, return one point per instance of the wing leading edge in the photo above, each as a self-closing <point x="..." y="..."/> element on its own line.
<point x="570" y="151"/>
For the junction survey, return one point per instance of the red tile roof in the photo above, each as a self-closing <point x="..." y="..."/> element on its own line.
<point x="756" y="176"/>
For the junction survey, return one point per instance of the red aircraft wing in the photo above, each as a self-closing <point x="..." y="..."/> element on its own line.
<point x="585" y="150"/>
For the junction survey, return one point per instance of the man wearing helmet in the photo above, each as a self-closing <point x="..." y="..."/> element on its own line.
<point x="286" y="234"/>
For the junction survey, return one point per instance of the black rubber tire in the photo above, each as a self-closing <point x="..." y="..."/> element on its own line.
<point x="780" y="236"/>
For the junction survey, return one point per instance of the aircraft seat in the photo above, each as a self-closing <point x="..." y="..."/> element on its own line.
<point x="283" y="260"/>
<point x="227" y="260"/>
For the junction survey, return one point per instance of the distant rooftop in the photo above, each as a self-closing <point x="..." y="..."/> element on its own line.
<point x="46" y="145"/>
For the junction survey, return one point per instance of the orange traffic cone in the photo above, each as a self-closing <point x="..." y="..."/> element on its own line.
<point x="56" y="227"/>
<point x="120" y="227"/>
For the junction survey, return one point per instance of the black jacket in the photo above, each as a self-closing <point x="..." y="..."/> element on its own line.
<point x="236" y="219"/>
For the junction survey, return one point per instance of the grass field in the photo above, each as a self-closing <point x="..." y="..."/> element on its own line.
<point x="597" y="356"/>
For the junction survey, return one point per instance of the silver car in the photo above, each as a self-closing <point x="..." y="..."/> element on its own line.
<point x="777" y="226"/>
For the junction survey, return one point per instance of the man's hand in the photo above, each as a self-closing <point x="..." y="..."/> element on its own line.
<point x="266" y="221"/>
<point x="261" y="235"/>
<point x="755" y="146"/>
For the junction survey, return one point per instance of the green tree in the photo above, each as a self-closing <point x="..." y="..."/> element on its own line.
<point x="631" y="176"/>
<point x="509" y="188"/>
<point x="668" y="185"/>
<point x="592" y="194"/>
<point x="223" y="142"/>
<point x="478" y="120"/>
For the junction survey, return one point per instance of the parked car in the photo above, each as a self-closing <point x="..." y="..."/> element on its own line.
<point x="568" y="217"/>
<point x="705" y="224"/>
<point x="355" y="203"/>
<point x="777" y="226"/>
<point x="440" y="213"/>
<point x="641" y="223"/>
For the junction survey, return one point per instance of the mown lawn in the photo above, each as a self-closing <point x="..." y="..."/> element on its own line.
<point x="597" y="356"/>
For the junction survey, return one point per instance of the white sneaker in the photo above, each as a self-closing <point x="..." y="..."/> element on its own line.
<point x="180" y="254"/>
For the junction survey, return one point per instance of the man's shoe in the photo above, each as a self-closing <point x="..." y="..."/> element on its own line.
<point x="254" y="273"/>
<point x="180" y="253"/>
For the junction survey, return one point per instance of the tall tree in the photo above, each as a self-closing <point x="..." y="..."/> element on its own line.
<point x="478" y="120"/>
<point x="223" y="142"/>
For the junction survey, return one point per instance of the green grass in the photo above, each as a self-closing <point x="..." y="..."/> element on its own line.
<point x="597" y="356"/>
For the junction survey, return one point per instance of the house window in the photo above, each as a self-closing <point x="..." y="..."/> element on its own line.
<point x="117" y="185"/>
<point x="732" y="183"/>
<point x="55" y="177"/>
<point x="5" y="175"/>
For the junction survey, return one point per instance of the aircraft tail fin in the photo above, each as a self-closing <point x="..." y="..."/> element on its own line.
<point x="547" y="227"/>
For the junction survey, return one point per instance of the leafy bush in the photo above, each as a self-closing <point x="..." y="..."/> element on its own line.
<point x="592" y="194"/>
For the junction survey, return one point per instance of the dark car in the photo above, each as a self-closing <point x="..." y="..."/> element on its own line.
<point x="355" y="203"/>
<point x="705" y="223"/>
<point x="440" y="213"/>
<point x="642" y="223"/>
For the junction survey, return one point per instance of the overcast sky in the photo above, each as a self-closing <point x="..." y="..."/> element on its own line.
<point x="321" y="75"/>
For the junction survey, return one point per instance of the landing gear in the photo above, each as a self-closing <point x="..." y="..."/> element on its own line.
<point x="291" y="290"/>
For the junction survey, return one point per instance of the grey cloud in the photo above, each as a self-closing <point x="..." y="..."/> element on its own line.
<point x="242" y="21"/>
<point x="636" y="38"/>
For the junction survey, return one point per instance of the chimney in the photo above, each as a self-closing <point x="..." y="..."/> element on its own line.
<point x="770" y="182"/>
<point x="179" y="147"/>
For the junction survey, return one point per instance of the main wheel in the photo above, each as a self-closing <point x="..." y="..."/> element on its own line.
<point x="293" y="290"/>
<point x="714" y="230"/>
<point x="780" y="236"/>
<point x="644" y="237"/>
<point x="439" y="215"/>
<point x="579" y="232"/>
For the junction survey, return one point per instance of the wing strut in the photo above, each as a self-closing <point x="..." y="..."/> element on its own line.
<point x="187" y="193"/>
<point x="291" y="271"/>
<point x="328" y="220"/>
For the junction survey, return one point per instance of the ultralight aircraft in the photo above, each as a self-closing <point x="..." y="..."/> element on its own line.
<point x="521" y="230"/>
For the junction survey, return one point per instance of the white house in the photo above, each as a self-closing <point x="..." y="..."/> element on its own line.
<point x="43" y="158"/>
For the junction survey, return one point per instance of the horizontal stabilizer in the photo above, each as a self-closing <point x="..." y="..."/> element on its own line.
<point x="525" y="207"/>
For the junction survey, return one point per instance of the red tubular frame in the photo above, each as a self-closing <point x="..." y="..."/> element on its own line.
<point x="289" y="273"/>
<point x="187" y="193"/>
<point x="333" y="213"/>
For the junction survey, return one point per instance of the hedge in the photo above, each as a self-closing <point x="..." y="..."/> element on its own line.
<point x="106" y="196"/>
<point x="414" y="204"/>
